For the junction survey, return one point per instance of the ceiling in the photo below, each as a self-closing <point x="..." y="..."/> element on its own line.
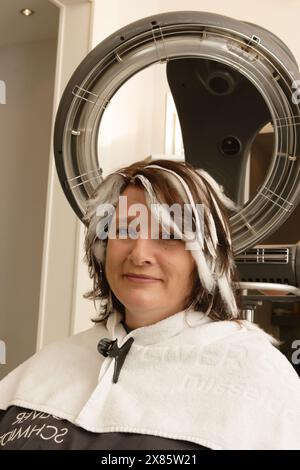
<point x="16" y="28"/>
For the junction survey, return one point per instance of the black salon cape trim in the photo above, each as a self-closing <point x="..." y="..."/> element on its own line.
<point x="22" y="428"/>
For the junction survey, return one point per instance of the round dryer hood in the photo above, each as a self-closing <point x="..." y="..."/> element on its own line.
<point x="247" y="49"/>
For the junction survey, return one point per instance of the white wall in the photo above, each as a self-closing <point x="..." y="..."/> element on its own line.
<point x="282" y="18"/>
<point x="61" y="236"/>
<point x="128" y="133"/>
<point x="25" y="126"/>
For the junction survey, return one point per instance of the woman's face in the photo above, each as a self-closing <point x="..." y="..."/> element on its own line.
<point x="169" y="264"/>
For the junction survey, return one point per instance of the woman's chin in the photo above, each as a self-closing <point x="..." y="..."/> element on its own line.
<point x="139" y="303"/>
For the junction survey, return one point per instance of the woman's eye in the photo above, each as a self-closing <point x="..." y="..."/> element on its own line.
<point x="166" y="236"/>
<point x="125" y="232"/>
<point x="122" y="231"/>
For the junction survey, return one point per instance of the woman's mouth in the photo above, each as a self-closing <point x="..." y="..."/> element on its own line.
<point x="143" y="278"/>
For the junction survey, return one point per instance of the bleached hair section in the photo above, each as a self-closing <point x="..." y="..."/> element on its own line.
<point x="204" y="266"/>
<point x="206" y="254"/>
<point x="162" y="214"/>
<point x="107" y="193"/>
<point x="228" y="203"/>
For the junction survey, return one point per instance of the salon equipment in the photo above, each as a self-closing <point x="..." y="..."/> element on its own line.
<point x="228" y="78"/>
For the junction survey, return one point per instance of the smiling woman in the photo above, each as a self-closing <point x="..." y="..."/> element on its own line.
<point x="192" y="250"/>
<point x="168" y="363"/>
<point x="144" y="274"/>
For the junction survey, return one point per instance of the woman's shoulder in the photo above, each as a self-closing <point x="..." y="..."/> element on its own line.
<point x="69" y="362"/>
<point x="259" y="356"/>
<point x="65" y="349"/>
<point x="244" y="349"/>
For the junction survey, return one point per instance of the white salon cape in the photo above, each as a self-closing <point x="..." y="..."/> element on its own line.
<point x="218" y="384"/>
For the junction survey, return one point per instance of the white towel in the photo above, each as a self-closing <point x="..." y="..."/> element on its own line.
<point x="218" y="384"/>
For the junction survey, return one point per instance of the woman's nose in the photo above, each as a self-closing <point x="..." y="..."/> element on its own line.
<point x="141" y="252"/>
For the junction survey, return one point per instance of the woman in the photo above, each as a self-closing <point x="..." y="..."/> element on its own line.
<point x="168" y="363"/>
